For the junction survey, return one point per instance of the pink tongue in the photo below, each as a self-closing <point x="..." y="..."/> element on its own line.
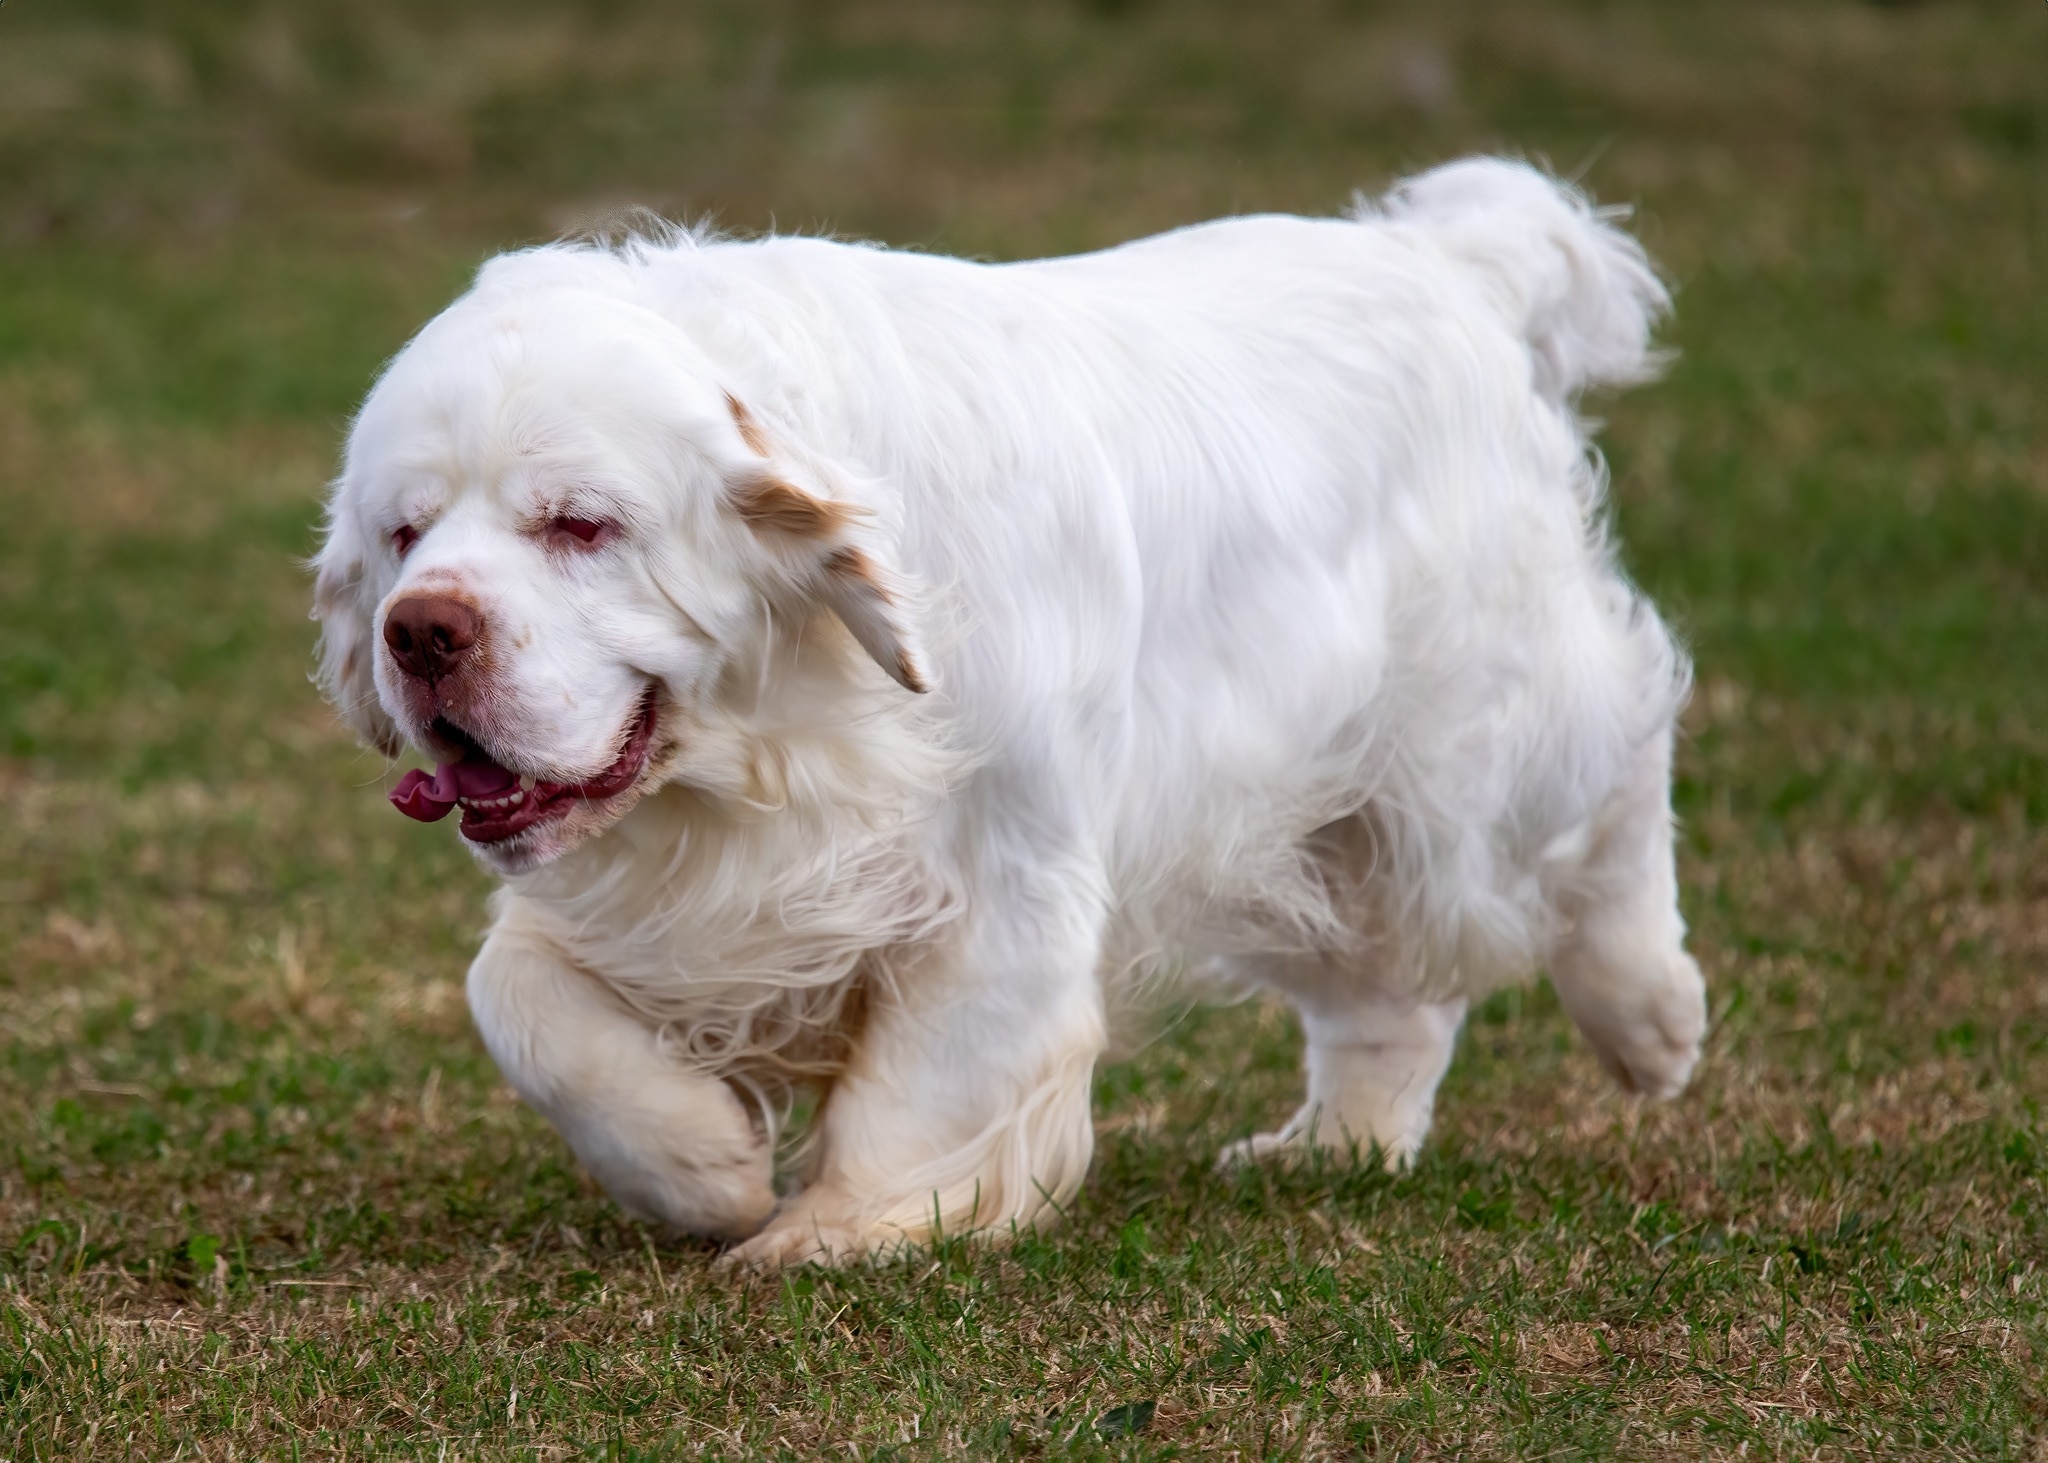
<point x="429" y="798"/>
<point x="478" y="776"/>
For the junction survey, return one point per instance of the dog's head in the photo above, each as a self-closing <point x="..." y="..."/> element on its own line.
<point x="554" y="542"/>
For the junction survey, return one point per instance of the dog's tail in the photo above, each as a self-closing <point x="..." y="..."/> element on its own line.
<point x="1576" y="287"/>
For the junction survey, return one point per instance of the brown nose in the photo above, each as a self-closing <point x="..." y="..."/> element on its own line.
<point x="429" y="634"/>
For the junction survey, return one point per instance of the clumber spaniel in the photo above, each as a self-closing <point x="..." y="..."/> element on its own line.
<point x="871" y="672"/>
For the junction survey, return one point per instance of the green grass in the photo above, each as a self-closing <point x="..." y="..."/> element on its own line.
<point x="261" y="1192"/>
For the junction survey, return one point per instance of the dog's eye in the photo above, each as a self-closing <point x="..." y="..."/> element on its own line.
<point x="402" y="539"/>
<point x="583" y="530"/>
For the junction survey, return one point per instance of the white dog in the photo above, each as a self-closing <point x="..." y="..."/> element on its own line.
<point x="867" y="669"/>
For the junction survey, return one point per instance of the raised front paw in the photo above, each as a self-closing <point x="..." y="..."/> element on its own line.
<point x="681" y="1154"/>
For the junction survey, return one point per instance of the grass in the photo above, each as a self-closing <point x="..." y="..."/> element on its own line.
<point x="261" y="1193"/>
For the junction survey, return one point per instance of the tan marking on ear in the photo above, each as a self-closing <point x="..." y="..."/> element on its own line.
<point x="860" y="597"/>
<point x="908" y="676"/>
<point x="773" y="503"/>
<point x="750" y="430"/>
<point x="853" y="564"/>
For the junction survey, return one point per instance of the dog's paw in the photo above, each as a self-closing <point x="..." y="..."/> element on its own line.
<point x="715" y="1202"/>
<point x="1651" y="1048"/>
<point x="784" y="1247"/>
<point x="807" y="1232"/>
<point x="681" y="1155"/>
<point x="1255" y="1149"/>
<point x="1301" y="1138"/>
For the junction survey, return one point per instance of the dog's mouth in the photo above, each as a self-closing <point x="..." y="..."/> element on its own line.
<point x="498" y="803"/>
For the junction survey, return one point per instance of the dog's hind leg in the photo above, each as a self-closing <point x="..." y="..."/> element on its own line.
<point x="1621" y="970"/>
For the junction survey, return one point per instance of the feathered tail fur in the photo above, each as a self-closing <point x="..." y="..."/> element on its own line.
<point x="1579" y="289"/>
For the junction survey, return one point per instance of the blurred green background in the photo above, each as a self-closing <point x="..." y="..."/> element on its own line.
<point x="233" y="1057"/>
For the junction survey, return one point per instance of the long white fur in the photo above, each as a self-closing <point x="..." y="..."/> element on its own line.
<point x="1259" y="574"/>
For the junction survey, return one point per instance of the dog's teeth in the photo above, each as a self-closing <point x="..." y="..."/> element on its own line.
<point x="494" y="805"/>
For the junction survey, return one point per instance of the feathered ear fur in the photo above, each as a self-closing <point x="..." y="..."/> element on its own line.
<point x="834" y="549"/>
<point x="344" y="602"/>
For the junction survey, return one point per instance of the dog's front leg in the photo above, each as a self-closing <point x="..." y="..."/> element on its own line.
<point x="966" y="1106"/>
<point x="671" y="1145"/>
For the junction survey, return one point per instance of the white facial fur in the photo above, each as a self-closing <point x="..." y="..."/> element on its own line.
<point x="499" y="420"/>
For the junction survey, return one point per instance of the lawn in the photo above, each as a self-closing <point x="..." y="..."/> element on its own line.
<point x="261" y="1191"/>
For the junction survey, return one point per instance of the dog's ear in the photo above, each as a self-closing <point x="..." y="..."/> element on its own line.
<point x="833" y="548"/>
<point x="345" y="602"/>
